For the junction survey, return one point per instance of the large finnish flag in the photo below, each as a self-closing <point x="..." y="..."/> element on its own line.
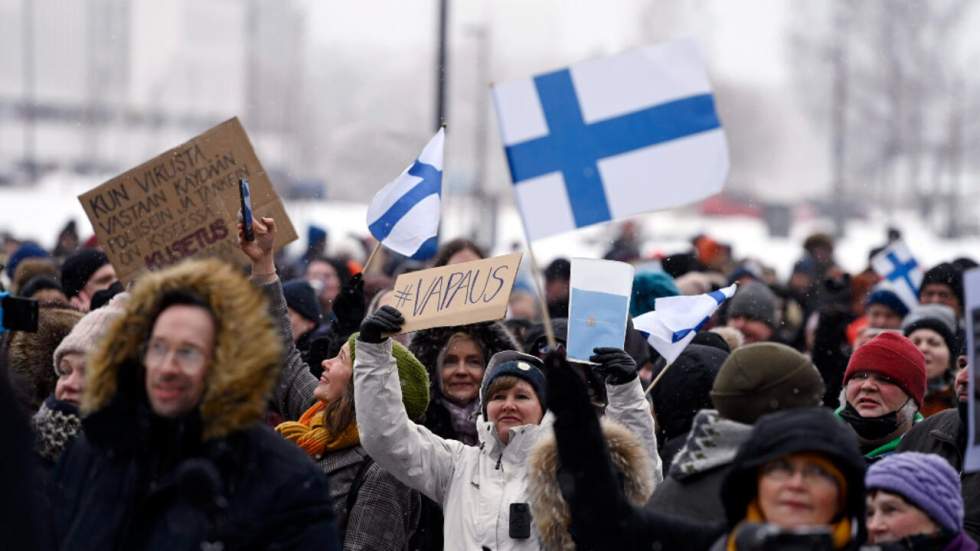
<point x="599" y="303"/>
<point x="900" y="271"/>
<point x="609" y="138"/>
<point x="672" y="325"/>
<point x="404" y="215"/>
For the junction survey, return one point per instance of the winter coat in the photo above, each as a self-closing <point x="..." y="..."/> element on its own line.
<point x="216" y="477"/>
<point x="944" y="434"/>
<point x="475" y="485"/>
<point x="548" y="507"/>
<point x="692" y="488"/>
<point x="385" y="512"/>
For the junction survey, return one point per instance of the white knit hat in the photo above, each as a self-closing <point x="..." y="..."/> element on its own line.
<point x="91" y="328"/>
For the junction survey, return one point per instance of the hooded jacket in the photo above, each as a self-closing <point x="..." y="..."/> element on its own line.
<point x="216" y="476"/>
<point x="692" y="488"/>
<point x="385" y="512"/>
<point x="475" y="485"/>
<point x="492" y="337"/>
<point x="549" y="509"/>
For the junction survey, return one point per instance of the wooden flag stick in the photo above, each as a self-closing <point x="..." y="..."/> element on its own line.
<point x="370" y="259"/>
<point x="657" y="378"/>
<point x="536" y="272"/>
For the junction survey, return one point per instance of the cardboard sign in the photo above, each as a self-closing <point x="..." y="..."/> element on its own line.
<point x="457" y="294"/>
<point x="598" y="306"/>
<point x="971" y="286"/>
<point x="183" y="203"/>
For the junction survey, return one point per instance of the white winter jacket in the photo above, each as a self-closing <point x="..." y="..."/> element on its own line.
<point x="474" y="484"/>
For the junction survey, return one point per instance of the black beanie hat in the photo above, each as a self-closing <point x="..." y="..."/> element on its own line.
<point x="517" y="364"/>
<point x="945" y="274"/>
<point x="79" y="267"/>
<point x="301" y="297"/>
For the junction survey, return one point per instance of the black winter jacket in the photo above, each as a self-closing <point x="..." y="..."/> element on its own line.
<point x="134" y="480"/>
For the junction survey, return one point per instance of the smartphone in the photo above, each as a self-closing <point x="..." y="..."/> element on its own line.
<point x="17" y="313"/>
<point x="246" y="196"/>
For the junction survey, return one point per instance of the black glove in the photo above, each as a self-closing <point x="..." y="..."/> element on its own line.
<point x="615" y="365"/>
<point x="385" y="321"/>
<point x="349" y="306"/>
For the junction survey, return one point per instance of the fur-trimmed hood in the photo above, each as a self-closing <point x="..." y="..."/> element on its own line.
<point x="247" y="347"/>
<point x="491" y="336"/>
<point x="426" y="345"/>
<point x="548" y="508"/>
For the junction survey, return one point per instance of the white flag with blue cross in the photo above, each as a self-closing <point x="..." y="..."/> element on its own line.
<point x="672" y="325"/>
<point x="599" y="303"/>
<point x="900" y="272"/>
<point x="610" y="138"/>
<point x="404" y="215"/>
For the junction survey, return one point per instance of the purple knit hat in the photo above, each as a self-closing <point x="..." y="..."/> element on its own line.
<point x="926" y="481"/>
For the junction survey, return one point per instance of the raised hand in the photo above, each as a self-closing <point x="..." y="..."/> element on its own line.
<point x="615" y="365"/>
<point x="383" y="322"/>
<point x="259" y="250"/>
<point x="349" y="306"/>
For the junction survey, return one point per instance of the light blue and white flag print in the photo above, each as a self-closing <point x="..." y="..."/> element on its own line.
<point x="599" y="303"/>
<point x="610" y="138"/>
<point x="404" y="215"/>
<point x="671" y="327"/>
<point x="900" y="272"/>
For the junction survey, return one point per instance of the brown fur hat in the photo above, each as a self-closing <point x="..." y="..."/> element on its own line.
<point x="548" y="508"/>
<point x="30" y="354"/>
<point x="247" y="352"/>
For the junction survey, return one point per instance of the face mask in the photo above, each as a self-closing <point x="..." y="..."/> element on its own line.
<point x="870" y="428"/>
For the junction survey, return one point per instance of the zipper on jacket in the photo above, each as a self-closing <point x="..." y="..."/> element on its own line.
<point x="499" y="459"/>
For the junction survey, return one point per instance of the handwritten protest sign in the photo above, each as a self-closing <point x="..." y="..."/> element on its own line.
<point x="456" y="294"/>
<point x="183" y="203"/>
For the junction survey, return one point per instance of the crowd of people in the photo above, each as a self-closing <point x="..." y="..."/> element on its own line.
<point x="204" y="406"/>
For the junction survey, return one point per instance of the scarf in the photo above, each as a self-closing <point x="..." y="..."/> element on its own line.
<point x="464" y="420"/>
<point x="312" y="434"/>
<point x="839" y="531"/>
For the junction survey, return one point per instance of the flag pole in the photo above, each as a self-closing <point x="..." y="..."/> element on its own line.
<point x="657" y="378"/>
<point x="370" y="259"/>
<point x="536" y="272"/>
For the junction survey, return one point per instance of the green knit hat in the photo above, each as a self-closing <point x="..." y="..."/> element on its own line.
<point x="411" y="374"/>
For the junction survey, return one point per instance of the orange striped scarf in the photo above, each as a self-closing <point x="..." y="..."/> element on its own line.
<point x="312" y="434"/>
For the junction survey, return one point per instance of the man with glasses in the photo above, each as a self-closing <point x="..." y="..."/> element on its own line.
<point x="174" y="454"/>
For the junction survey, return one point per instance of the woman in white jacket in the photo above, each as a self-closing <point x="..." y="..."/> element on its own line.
<point x="482" y="489"/>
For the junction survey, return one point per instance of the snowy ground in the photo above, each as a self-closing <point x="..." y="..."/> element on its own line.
<point x="40" y="212"/>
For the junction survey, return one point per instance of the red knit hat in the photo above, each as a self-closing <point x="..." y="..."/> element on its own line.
<point x="895" y="357"/>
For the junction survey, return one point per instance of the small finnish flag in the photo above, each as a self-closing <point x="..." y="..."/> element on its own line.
<point x="671" y="327"/>
<point x="404" y="215"/>
<point x="900" y="271"/>
<point x="610" y="138"/>
<point x="599" y="302"/>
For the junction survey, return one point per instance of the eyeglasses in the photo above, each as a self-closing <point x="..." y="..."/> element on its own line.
<point x="873" y="376"/>
<point x="185" y="355"/>
<point x="782" y="470"/>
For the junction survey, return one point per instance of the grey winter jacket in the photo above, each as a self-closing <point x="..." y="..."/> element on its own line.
<point x="386" y="512"/>
<point x="692" y="488"/>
